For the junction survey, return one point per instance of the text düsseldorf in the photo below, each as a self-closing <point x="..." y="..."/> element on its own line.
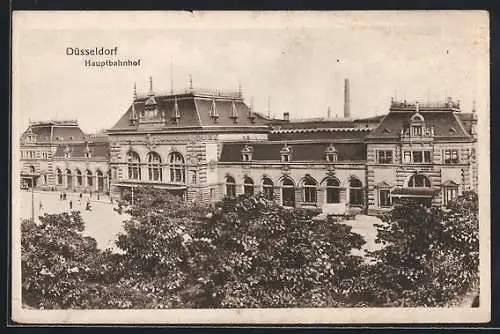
<point x="102" y="51"/>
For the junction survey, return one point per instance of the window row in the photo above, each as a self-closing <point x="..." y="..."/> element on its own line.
<point x="308" y="190"/>
<point x="450" y="156"/>
<point x="28" y="154"/>
<point x="287" y="153"/>
<point x="87" y="176"/>
<point x="154" y="167"/>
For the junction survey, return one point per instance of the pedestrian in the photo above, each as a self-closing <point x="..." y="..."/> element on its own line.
<point x="41" y="206"/>
<point x="97" y="196"/>
<point x="70" y="204"/>
<point x="60" y="196"/>
<point x="91" y="194"/>
<point x="81" y="196"/>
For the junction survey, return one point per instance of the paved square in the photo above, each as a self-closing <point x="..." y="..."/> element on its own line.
<point x="102" y="223"/>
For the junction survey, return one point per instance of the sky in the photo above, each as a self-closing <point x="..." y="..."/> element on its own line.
<point x="297" y="60"/>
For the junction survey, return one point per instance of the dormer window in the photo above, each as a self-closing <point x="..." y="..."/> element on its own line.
<point x="67" y="152"/>
<point x="213" y="110"/>
<point x="417" y="122"/>
<point x="246" y="153"/>
<point x="416" y="130"/>
<point x="331" y="154"/>
<point x="286" y="154"/>
<point x="88" y="152"/>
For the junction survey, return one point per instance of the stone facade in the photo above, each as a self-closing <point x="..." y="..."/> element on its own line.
<point x="204" y="146"/>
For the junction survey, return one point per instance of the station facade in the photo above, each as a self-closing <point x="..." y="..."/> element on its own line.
<point x="205" y="145"/>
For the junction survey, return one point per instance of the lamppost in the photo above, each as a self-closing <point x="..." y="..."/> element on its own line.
<point x="33" y="198"/>
<point x="132" y="187"/>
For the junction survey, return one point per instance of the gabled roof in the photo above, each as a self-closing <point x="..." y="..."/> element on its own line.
<point x="269" y="151"/>
<point x="445" y="124"/>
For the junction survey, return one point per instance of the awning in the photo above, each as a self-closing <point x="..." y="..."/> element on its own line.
<point x="414" y="192"/>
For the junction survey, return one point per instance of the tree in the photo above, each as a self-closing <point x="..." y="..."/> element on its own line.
<point x="63" y="269"/>
<point x="429" y="258"/>
<point x="254" y="253"/>
<point x="246" y="252"/>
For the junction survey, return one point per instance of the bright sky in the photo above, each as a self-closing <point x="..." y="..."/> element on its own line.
<point x="300" y="60"/>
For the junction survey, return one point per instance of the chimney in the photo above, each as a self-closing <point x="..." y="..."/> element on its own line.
<point x="347" y="102"/>
<point x="286" y="116"/>
<point x="329" y="113"/>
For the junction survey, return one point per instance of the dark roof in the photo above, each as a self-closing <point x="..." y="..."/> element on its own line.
<point x="57" y="132"/>
<point x="298" y="134"/>
<point x="467" y="120"/>
<point x="98" y="150"/>
<point x="443" y="122"/>
<point x="231" y="152"/>
<point x="195" y="112"/>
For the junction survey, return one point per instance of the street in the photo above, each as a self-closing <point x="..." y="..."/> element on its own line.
<point x="102" y="223"/>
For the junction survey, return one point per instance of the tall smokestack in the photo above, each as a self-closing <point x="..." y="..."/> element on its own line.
<point x="347" y="102"/>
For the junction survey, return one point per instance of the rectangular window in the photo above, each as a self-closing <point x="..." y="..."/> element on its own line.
<point x="417" y="157"/>
<point x="427" y="156"/>
<point x="331" y="157"/>
<point x="310" y="195"/>
<point x="384" y="157"/>
<point x="451" y="156"/>
<point x="450" y="193"/>
<point x="384" y="198"/>
<point x="407" y="157"/>
<point x="416" y="130"/>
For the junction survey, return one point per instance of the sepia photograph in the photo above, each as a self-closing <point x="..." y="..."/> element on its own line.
<point x="250" y="167"/>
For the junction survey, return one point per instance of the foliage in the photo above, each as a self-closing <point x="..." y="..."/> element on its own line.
<point x="249" y="252"/>
<point x="244" y="253"/>
<point x="430" y="256"/>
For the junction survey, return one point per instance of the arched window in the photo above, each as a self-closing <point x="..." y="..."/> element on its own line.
<point x="248" y="186"/>
<point x="79" y="181"/>
<point x="89" y="178"/>
<point x="418" y="181"/>
<point x="309" y="190"/>
<point x="332" y="191"/>
<point x="268" y="188"/>
<point x="100" y="180"/>
<point x="230" y="187"/>
<point x="177" y="172"/>
<point x="32" y="169"/>
<point x="69" y="179"/>
<point x="288" y="192"/>
<point x="154" y="166"/>
<point x="355" y="192"/>
<point x="59" y="176"/>
<point x="134" y="167"/>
